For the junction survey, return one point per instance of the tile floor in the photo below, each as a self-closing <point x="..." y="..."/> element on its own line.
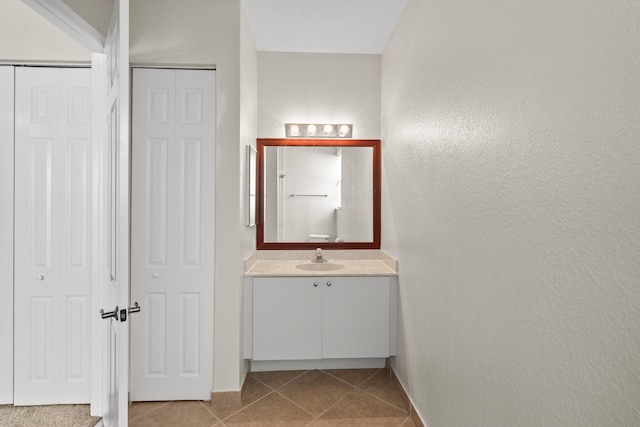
<point x="351" y="397"/>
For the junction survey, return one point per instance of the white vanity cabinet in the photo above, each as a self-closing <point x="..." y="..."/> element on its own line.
<point x="317" y="318"/>
<point x="287" y="318"/>
<point x="355" y="317"/>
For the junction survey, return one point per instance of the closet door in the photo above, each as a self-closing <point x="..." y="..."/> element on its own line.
<point x="52" y="236"/>
<point x="172" y="239"/>
<point x="6" y="235"/>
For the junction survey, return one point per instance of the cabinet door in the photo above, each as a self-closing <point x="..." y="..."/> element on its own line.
<point x="355" y="317"/>
<point x="287" y="318"/>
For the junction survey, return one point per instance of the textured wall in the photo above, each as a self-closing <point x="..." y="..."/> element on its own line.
<point x="318" y="88"/>
<point x="511" y="169"/>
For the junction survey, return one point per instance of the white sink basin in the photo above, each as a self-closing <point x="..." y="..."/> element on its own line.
<point x="312" y="266"/>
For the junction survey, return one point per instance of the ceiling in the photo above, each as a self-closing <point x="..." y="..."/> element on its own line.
<point x="318" y="26"/>
<point x="322" y="26"/>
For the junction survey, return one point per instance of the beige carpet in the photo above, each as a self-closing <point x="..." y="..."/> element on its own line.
<point x="48" y="416"/>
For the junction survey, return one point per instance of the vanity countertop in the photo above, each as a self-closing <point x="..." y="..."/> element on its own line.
<point x="342" y="267"/>
<point x="339" y="263"/>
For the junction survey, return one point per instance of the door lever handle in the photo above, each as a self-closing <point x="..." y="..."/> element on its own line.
<point x="109" y="314"/>
<point x="135" y="308"/>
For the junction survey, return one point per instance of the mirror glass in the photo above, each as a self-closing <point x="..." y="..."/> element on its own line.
<point x="318" y="193"/>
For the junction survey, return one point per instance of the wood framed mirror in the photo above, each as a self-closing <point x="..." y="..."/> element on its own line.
<point x="318" y="193"/>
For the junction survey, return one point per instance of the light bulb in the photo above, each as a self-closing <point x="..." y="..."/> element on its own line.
<point x="294" y="130"/>
<point x="311" y="129"/>
<point x="343" y="131"/>
<point x="327" y="130"/>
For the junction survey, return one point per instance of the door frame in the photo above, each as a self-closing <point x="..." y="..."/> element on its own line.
<point x="7" y="129"/>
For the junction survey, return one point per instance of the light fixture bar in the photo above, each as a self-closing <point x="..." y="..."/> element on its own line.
<point x="318" y="130"/>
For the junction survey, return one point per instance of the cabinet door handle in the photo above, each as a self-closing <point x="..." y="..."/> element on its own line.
<point x="328" y="283"/>
<point x="315" y="284"/>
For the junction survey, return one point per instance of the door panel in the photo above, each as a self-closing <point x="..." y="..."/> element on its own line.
<point x="172" y="233"/>
<point x="111" y="221"/>
<point x="6" y="234"/>
<point x="356" y="317"/>
<point x="287" y="318"/>
<point x="52" y="245"/>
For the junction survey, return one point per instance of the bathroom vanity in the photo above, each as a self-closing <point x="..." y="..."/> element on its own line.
<point x="305" y="315"/>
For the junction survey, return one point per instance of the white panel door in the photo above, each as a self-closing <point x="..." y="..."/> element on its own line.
<point x="111" y="289"/>
<point x="172" y="233"/>
<point x="6" y="235"/>
<point x="52" y="236"/>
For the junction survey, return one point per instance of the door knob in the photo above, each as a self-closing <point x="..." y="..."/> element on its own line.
<point x="135" y="308"/>
<point x="328" y="283"/>
<point x="40" y="277"/>
<point x="109" y="314"/>
<point x="155" y="275"/>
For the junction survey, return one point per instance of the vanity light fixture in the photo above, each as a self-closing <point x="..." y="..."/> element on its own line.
<point x="315" y="130"/>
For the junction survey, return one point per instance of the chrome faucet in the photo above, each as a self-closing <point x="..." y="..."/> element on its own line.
<point x="318" y="257"/>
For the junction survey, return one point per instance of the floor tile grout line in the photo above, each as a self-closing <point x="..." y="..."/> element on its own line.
<point x="385" y="401"/>
<point x="208" y="408"/>
<point x="312" y="421"/>
<point x="163" y="404"/>
<point x="371" y="376"/>
<point x="354" y="385"/>
<point x="293" y="379"/>
<point x="376" y="397"/>
<point x="284" y="384"/>
<point x="245" y="407"/>
<point x="281" y="385"/>
<point x="336" y="402"/>
<point x="306" y="410"/>
<point x="353" y="388"/>
<point x="272" y="390"/>
<point x="406" y="422"/>
<point x="380" y="398"/>
<point x="263" y="383"/>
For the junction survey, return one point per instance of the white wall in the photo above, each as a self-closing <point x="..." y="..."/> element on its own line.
<point x="96" y="13"/>
<point x="318" y="88"/>
<point x="248" y="134"/>
<point x="27" y="37"/>
<point x="206" y="33"/>
<point x="511" y="170"/>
